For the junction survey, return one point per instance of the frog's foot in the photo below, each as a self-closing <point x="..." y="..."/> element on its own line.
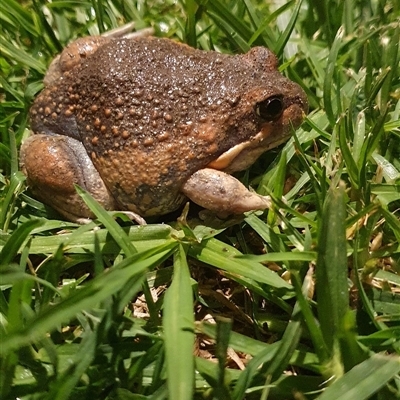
<point x="222" y="193"/>
<point x="53" y="165"/>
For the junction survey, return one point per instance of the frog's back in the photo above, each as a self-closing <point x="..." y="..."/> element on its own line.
<point x="140" y="92"/>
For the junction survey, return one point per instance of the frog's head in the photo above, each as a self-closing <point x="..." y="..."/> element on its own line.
<point x="267" y="108"/>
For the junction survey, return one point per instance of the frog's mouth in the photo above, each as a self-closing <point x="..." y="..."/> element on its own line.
<point x="243" y="155"/>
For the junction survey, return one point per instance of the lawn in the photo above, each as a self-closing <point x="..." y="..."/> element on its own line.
<point x="301" y="301"/>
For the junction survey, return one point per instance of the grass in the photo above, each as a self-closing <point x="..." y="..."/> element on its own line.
<point x="300" y="302"/>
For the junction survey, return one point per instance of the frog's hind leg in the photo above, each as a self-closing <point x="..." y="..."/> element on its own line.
<point x="220" y="192"/>
<point x="53" y="164"/>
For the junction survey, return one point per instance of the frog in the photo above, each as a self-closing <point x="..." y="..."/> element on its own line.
<point x="145" y="123"/>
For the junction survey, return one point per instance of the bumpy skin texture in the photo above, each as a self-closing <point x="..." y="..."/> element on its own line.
<point x="150" y="113"/>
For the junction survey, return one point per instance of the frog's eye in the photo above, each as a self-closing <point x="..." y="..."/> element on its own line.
<point x="270" y="109"/>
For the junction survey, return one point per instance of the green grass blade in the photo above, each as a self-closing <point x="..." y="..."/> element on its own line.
<point x="15" y="241"/>
<point x="331" y="269"/>
<point x="309" y="319"/>
<point x="16" y="14"/>
<point x="115" y="230"/>
<point x="178" y="325"/>
<point x="91" y="295"/>
<point x="348" y="157"/>
<point x="237" y="41"/>
<point x="7" y="206"/>
<point x="277" y="257"/>
<point x="364" y="379"/>
<point x="221" y="255"/>
<point x="375" y="136"/>
<point x="252" y="368"/>
<point x="263" y="30"/>
<point x="62" y="388"/>
<point x="284" y="37"/>
<point x="246" y="344"/>
<point x="329" y="77"/>
<point x="220" y="9"/>
<point x="98" y="6"/>
<point x="81" y="240"/>
<point x="278" y="184"/>
<point x="391" y="54"/>
<point x="209" y="371"/>
<point x="21" y="56"/>
<point x="47" y="28"/>
<point x="287" y="346"/>
<point x="224" y="328"/>
<point x="190" y="28"/>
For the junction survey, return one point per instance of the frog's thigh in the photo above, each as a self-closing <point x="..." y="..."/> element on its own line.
<point x="220" y="192"/>
<point x="53" y="164"/>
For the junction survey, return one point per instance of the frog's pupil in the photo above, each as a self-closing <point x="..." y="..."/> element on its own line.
<point x="270" y="109"/>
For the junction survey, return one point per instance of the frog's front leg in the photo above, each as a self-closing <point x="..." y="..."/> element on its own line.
<point x="222" y="193"/>
<point x="53" y="164"/>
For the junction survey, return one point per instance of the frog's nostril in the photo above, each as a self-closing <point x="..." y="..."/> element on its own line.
<point x="270" y="109"/>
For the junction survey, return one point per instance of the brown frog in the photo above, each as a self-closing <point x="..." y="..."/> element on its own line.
<point x="145" y="123"/>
